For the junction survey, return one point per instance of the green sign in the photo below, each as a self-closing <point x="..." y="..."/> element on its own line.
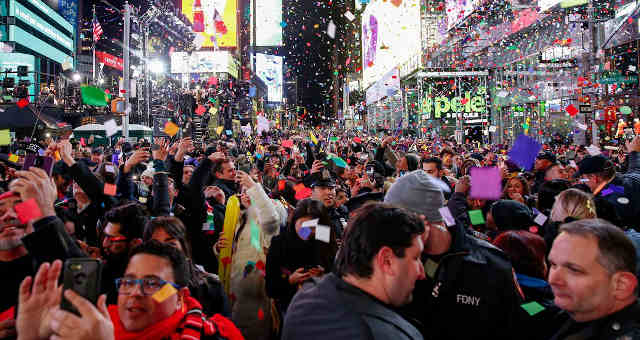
<point x="448" y="107"/>
<point x="28" y="40"/>
<point x="28" y="17"/>
<point x="618" y="79"/>
<point x="51" y="13"/>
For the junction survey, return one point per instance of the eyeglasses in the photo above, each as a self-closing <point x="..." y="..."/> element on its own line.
<point x="150" y="286"/>
<point x="113" y="239"/>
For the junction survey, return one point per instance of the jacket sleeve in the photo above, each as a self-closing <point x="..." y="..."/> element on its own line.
<point x="379" y="156"/>
<point x="126" y="187"/>
<point x="457" y="204"/>
<point x="634" y="162"/>
<point x="175" y="171"/>
<point x="50" y="241"/>
<point x="161" y="204"/>
<point x="276" y="279"/>
<point x="268" y="215"/>
<point x="92" y="186"/>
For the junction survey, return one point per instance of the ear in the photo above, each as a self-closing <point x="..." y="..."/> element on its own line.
<point x="135" y="242"/>
<point x="384" y="260"/>
<point x="624" y="285"/>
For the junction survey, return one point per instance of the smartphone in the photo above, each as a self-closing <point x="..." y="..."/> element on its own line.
<point x="43" y="162"/>
<point x="83" y="276"/>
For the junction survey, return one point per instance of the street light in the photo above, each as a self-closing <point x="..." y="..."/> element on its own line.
<point x="76" y="77"/>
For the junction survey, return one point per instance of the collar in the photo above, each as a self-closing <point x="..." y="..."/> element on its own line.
<point x="528" y="281"/>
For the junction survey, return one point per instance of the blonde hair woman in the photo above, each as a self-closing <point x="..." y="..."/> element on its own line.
<point x="574" y="204"/>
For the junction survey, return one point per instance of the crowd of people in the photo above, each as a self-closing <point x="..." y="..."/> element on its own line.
<point x="311" y="233"/>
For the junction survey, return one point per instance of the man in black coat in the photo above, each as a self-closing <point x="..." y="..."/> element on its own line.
<point x="24" y="246"/>
<point x="467" y="279"/>
<point x="375" y="272"/>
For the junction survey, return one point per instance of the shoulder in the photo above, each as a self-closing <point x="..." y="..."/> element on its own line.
<point x="314" y="308"/>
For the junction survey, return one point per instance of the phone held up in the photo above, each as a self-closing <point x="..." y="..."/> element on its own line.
<point x="83" y="276"/>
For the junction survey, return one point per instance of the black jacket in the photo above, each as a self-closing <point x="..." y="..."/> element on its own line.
<point x="100" y="203"/>
<point x="48" y="242"/>
<point x="287" y="253"/>
<point x="541" y="323"/>
<point x="334" y="309"/>
<point x="623" y="195"/>
<point x="472" y="286"/>
<point x="339" y="218"/>
<point x="624" y="324"/>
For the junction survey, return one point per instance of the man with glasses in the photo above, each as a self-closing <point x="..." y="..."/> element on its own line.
<point x="122" y="233"/>
<point x="153" y="303"/>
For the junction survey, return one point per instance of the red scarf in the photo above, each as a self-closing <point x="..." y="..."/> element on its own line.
<point x="185" y="324"/>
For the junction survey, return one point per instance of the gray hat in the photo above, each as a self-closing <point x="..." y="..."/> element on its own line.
<point x="418" y="192"/>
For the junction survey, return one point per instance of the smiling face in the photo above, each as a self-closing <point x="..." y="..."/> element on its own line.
<point x="137" y="311"/>
<point x="11" y="230"/>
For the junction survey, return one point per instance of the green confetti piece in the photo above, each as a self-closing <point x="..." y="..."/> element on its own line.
<point x="255" y="235"/>
<point x="532" y="308"/>
<point x="476" y="217"/>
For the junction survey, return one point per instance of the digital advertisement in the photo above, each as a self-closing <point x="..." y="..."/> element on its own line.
<point x="215" y="21"/>
<point x="269" y="22"/>
<point x="390" y="36"/>
<point x="269" y="69"/>
<point x="204" y="62"/>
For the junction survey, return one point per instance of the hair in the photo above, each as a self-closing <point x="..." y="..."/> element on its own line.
<point x="375" y="225"/>
<point x="132" y="218"/>
<point x="217" y="165"/>
<point x="616" y="251"/>
<point x="172" y="226"/>
<point x="446" y="151"/>
<point x="312" y="208"/>
<point x="468" y="164"/>
<point x="548" y="191"/>
<point x="179" y="263"/>
<point x="436" y="160"/>
<point x="526" y="251"/>
<point x="573" y="203"/>
<point x="526" y="190"/>
<point x="608" y="170"/>
<point x="412" y="161"/>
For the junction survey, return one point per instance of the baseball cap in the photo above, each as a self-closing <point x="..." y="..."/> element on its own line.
<point x="548" y="156"/>
<point x="592" y="165"/>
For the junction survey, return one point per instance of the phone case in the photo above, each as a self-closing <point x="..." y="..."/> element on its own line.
<point x="83" y="276"/>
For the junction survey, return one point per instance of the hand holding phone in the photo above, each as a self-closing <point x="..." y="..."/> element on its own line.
<point x="83" y="276"/>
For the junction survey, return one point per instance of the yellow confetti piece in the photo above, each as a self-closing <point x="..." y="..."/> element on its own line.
<point x="13" y="158"/>
<point x="171" y="129"/>
<point x="164" y="293"/>
<point x="219" y="129"/>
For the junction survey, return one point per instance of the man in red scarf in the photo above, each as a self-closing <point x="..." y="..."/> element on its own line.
<point x="153" y="303"/>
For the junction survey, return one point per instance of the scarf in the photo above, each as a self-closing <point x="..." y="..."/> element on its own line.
<point x="188" y="323"/>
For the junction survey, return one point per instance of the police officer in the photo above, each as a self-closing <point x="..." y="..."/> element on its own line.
<point x="324" y="190"/>
<point x="613" y="191"/>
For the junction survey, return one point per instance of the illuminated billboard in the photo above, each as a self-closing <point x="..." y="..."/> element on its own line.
<point x="269" y="69"/>
<point x="204" y="62"/>
<point x="390" y="36"/>
<point x="213" y="20"/>
<point x="458" y="10"/>
<point x="269" y="22"/>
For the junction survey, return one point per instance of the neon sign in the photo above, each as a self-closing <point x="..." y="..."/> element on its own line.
<point x="449" y="107"/>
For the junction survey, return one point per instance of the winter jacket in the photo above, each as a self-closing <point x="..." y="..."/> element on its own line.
<point x="333" y="309"/>
<point x="538" y="316"/>
<point x="624" y="324"/>
<point x="472" y="284"/>
<point x="248" y="294"/>
<point x="623" y="194"/>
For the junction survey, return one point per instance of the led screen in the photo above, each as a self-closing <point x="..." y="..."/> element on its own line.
<point x="268" y="22"/>
<point x="458" y="10"/>
<point x="213" y="20"/>
<point x="204" y="62"/>
<point x="269" y="69"/>
<point x="390" y="36"/>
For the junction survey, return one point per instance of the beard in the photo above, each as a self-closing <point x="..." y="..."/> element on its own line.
<point x="10" y="243"/>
